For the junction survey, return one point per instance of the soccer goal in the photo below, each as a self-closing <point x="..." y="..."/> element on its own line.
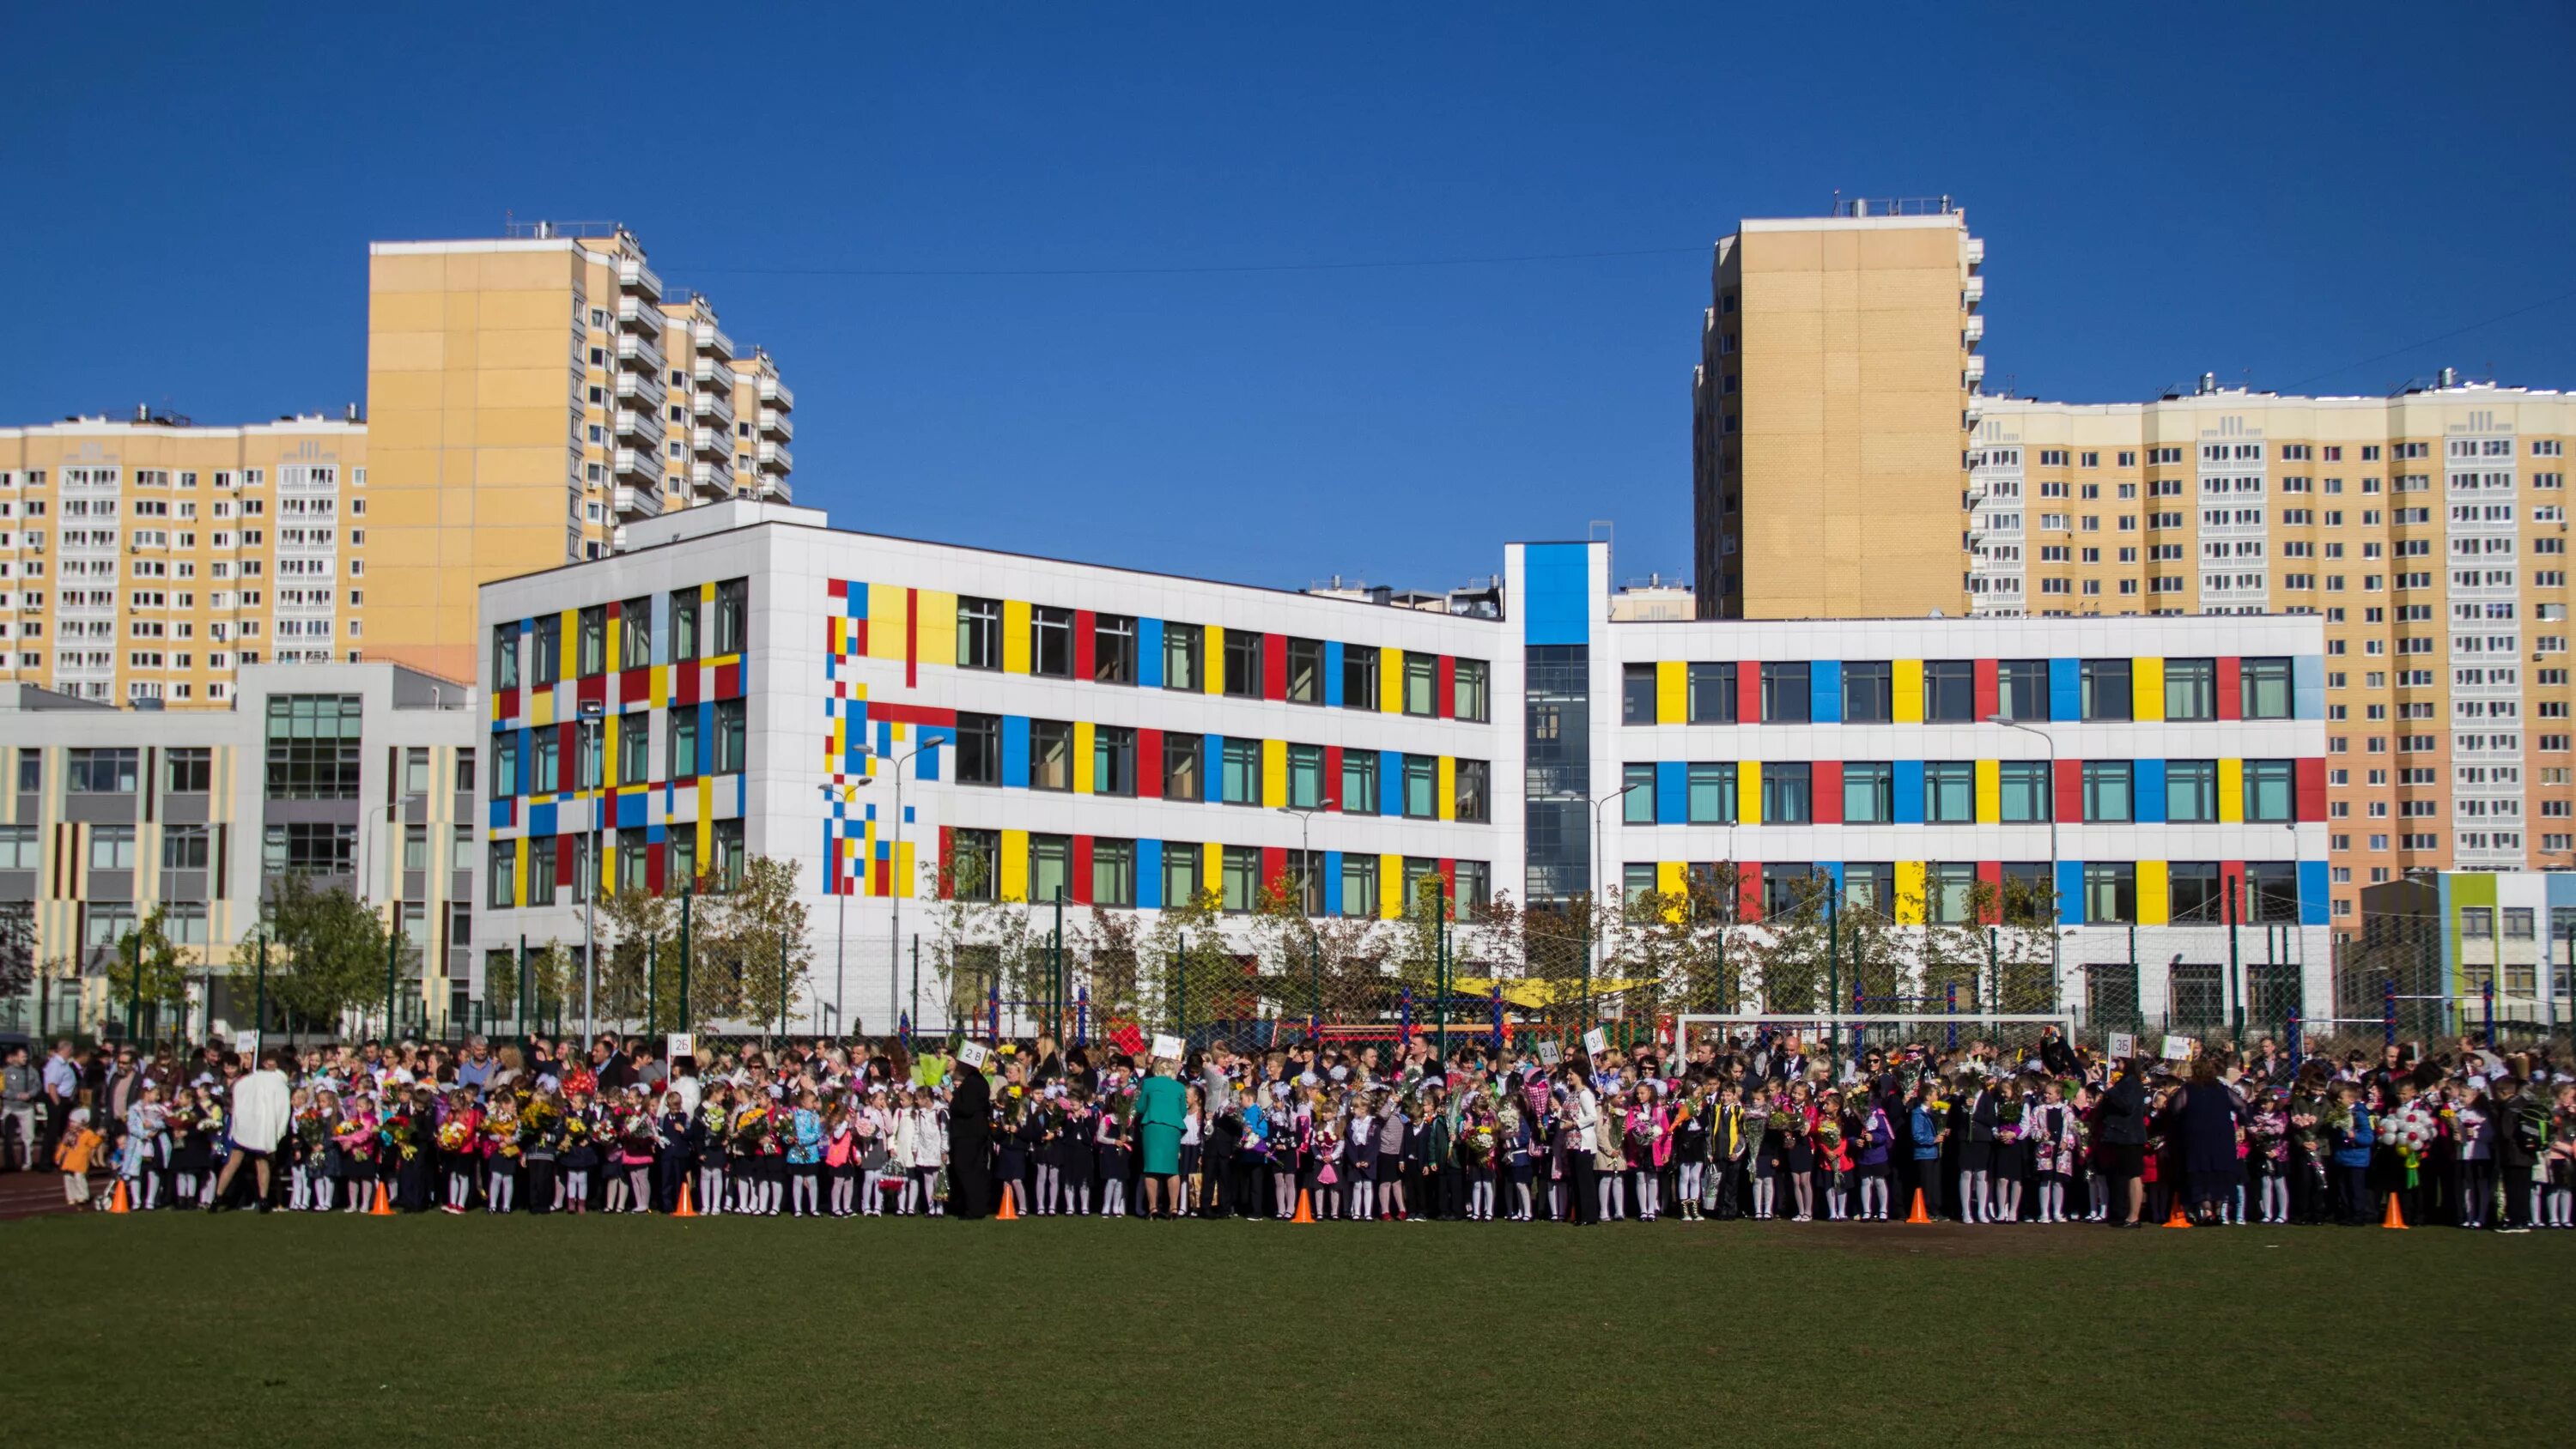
<point x="1844" y="1034"/>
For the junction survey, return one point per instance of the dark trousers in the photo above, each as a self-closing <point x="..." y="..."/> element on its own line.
<point x="669" y="1171"/>
<point x="1927" y="1178"/>
<point x="2353" y="1187"/>
<point x="1448" y="1187"/>
<point x="1585" y="1182"/>
<point x="1729" y="1176"/>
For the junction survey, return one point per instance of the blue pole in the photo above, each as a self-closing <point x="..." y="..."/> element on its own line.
<point x="1951" y="1005"/>
<point x="1497" y="989"/>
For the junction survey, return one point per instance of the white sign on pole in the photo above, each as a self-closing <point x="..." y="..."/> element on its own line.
<point x="679" y="1044"/>
<point x="1167" y="1047"/>
<point x="1596" y="1041"/>
<point x="2177" y="1048"/>
<point x="1549" y="1054"/>
<point x="2123" y="1044"/>
<point x="974" y="1055"/>
<point x="246" y="1043"/>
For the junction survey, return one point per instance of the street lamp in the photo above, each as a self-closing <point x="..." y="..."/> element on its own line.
<point x="1314" y="943"/>
<point x="1590" y="945"/>
<point x="393" y="903"/>
<point x="840" y="794"/>
<point x="2055" y="912"/>
<point x="894" y="893"/>
<point x="593" y="743"/>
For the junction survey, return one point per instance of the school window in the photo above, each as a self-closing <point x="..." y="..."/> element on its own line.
<point x="634" y="748"/>
<point x="1471" y="697"/>
<point x="2107" y="791"/>
<point x="189" y="771"/>
<point x="503" y="873"/>
<point x="635" y="634"/>
<point x="505" y="656"/>
<point x="2265" y="686"/>
<point x="972" y="861"/>
<point x="1637" y="879"/>
<point x="2106" y="689"/>
<point x="1421" y="787"/>
<point x="1421" y="684"/>
<point x="1868" y="692"/>
<point x="1786" y="886"/>
<point x="1241" y="775"/>
<point x="1239" y="878"/>
<point x="1050" y="755"/>
<point x="1184" y="772"/>
<point x="681" y="858"/>
<point x="1785" y="699"/>
<point x="183" y="847"/>
<point x="1242" y="664"/>
<point x="1950" y="892"/>
<point x="323" y="848"/>
<point x="1113" y="760"/>
<point x="505" y="766"/>
<point x="1637" y="694"/>
<point x="591" y="649"/>
<point x="1950" y="792"/>
<point x="1359" y="678"/>
<point x="1113" y="649"/>
<point x="682" y="728"/>
<point x="20" y="849"/>
<point x="545" y="651"/>
<point x="1788" y="796"/>
<point x="1949" y="691"/>
<point x="312" y="748"/>
<point x="1869" y="792"/>
<point x="1113" y="872"/>
<point x="1472" y="801"/>
<point x="2192" y="892"/>
<point x="684" y="624"/>
<point x="2191" y="689"/>
<point x="2271" y="791"/>
<point x="1870" y="886"/>
<point x="1181" y="871"/>
<point x="2271" y="893"/>
<point x="1359" y="782"/>
<point x="1051" y="642"/>
<point x="1637" y="798"/>
<point x="1305" y="671"/>
<point x="1359" y="886"/>
<point x="1306" y="777"/>
<point x="1183" y="646"/>
<point x="1711" y="799"/>
<point x="2110" y="892"/>
<point x="979" y="749"/>
<point x="724" y="873"/>
<point x="979" y="633"/>
<point x="588" y="748"/>
<point x="2021" y="689"/>
<point x="731" y="742"/>
<point x="2191" y="791"/>
<point x="111" y="847"/>
<point x="1050" y="867"/>
<point x="1712" y="693"/>
<point x="733" y="615"/>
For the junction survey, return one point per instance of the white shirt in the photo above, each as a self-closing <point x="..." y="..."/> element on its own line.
<point x="260" y="1107"/>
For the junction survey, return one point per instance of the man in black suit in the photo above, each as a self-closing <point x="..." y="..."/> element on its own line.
<point x="2124" y="1140"/>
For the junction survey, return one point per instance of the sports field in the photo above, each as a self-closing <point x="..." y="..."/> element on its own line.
<point x="173" y="1328"/>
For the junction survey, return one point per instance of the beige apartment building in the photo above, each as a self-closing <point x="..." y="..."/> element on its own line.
<point x="526" y="395"/>
<point x="1831" y="411"/>
<point x="1847" y="463"/>
<point x="144" y="560"/>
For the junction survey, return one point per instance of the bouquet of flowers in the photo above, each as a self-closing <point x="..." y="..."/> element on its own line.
<point x="501" y="1133"/>
<point x="455" y="1134"/>
<point x="398" y="1134"/>
<point x="751" y="1131"/>
<point x="1756" y="1122"/>
<point x="1478" y="1141"/>
<point x="582" y="1080"/>
<point x="356" y="1136"/>
<point x="2008" y="1120"/>
<point x="310" y="1129"/>
<point x="711" y="1116"/>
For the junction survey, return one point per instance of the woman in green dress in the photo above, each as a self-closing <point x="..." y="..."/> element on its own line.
<point x="1161" y="1107"/>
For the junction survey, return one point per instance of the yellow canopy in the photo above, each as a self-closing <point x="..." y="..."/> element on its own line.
<point x="1538" y="994"/>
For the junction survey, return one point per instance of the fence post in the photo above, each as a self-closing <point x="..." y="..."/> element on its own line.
<point x="1181" y="988"/>
<point x="2290" y="1033"/>
<point x="2235" y="975"/>
<point x="993" y="1000"/>
<point x="1497" y="992"/>
<point x="2489" y="994"/>
<point x="1950" y="993"/>
<point x="1082" y="1016"/>
<point x="1833" y="973"/>
<point x="1404" y="1015"/>
<point x="2388" y="1006"/>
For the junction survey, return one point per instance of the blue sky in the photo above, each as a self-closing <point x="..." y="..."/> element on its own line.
<point x="2272" y="193"/>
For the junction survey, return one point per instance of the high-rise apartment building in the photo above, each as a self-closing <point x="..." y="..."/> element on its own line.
<point x="2428" y="528"/>
<point x="145" y="560"/>
<point x="1835" y="393"/>
<point x="526" y="395"/>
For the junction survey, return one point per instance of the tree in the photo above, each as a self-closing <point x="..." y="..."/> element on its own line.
<point x="1195" y="974"/>
<point x="639" y="956"/>
<point x="1333" y="966"/>
<point x="759" y="938"/>
<point x="1108" y="944"/>
<point x="17" y="947"/>
<point x="149" y="969"/>
<point x="327" y="949"/>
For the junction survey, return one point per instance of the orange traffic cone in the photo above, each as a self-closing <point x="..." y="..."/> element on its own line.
<point x="383" y="1208"/>
<point x="684" y="1210"/>
<point x="1918" y="1215"/>
<point x="117" y="1203"/>
<point x="2395" y="1219"/>
<point x="2177" y="1220"/>
<point x="1305" y="1214"/>
<point x="1008" y="1213"/>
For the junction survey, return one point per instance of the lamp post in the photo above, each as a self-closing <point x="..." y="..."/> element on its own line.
<point x="894" y="892"/>
<point x="1314" y="943"/>
<point x="841" y="925"/>
<point x="1588" y="943"/>
<point x="593" y="743"/>
<point x="2055" y="912"/>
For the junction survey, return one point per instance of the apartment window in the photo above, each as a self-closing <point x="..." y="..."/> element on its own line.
<point x="1637" y="799"/>
<point x="1184" y="767"/>
<point x="460" y="848"/>
<point x="1712" y="693"/>
<point x="1242" y="664"/>
<point x="683" y="732"/>
<point x="733" y="616"/>
<point x="1240" y="776"/>
<point x="726" y="841"/>
<point x="313" y="747"/>
<point x="1305" y="671"/>
<point x="2107" y="791"/>
<point x="2106" y="689"/>
<point x="102" y="772"/>
<point x="1711" y="792"/>
<point x="732" y="744"/>
<point x="1870" y="886"/>
<point x="2192" y="893"/>
<point x="974" y="858"/>
<point x="187" y="770"/>
<point x="1184" y="647"/>
<point x="1239" y="878"/>
<point x="1949" y="691"/>
<point x="1113" y="649"/>
<point x="1359" y="678"/>
<point x="979" y="633"/>
<point x="1421" y="787"/>
<point x="2110" y="892"/>
<point x="2271" y="893"/>
<point x="684" y="624"/>
<point x="505" y="656"/>
<point x="1181" y="872"/>
<point x="2265" y="686"/>
<point x="979" y="749"/>
<point x="590" y="654"/>
<point x="1469" y="694"/>
<point x="1950" y="792"/>
<point x="2191" y="791"/>
<point x="1050" y="867"/>
<point x="1788" y="793"/>
<point x="1950" y="892"/>
<point x="1869" y="792"/>
<point x="2191" y="689"/>
<point x="2021" y="689"/>
<point x="415" y="847"/>
<point x="314" y="846"/>
<point x="506" y="780"/>
<point x="1868" y="692"/>
<point x="503" y="875"/>
<point x="635" y="634"/>
<point x="1113" y="872"/>
<point x="1785" y="699"/>
<point x="1359" y="886"/>
<point x="1306" y="777"/>
<point x="634" y="748"/>
<point x="1050" y="754"/>
<point x="1359" y="782"/>
<point x="1051" y="642"/>
<point x="1421" y="684"/>
<point x="1113" y="760"/>
<point x="1637" y="694"/>
<point x="2271" y="792"/>
<point x="545" y="651"/>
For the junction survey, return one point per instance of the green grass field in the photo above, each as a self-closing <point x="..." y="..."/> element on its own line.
<point x="181" y="1328"/>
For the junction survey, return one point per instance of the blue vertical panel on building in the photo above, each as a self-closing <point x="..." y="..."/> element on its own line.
<point x="1149" y="875"/>
<point x="2065" y="689"/>
<point x="528" y="761"/>
<point x="1909" y="792"/>
<point x="2070" y="892"/>
<point x="1333" y="673"/>
<point x="1672" y="792"/>
<point x="1558" y="581"/>
<point x="1390" y="782"/>
<point x="1833" y="869"/>
<point x="1149" y="653"/>
<point x="2307" y="686"/>
<point x="706" y="738"/>
<point x="1212" y="768"/>
<point x="541" y="821"/>
<point x="2313" y="902"/>
<point x="1825" y="691"/>
<point x="1332" y="882"/>
<point x="1015" y="751"/>
<point x="932" y="741"/>
<point x="2147" y="779"/>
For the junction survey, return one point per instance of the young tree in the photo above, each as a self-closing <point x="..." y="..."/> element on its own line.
<point x="17" y="947"/>
<point x="1108" y="943"/>
<point x="639" y="955"/>
<point x="326" y="951"/>
<point x="149" y="969"/>
<point x="1191" y="974"/>
<point x="760" y="933"/>
<point x="1332" y="966"/>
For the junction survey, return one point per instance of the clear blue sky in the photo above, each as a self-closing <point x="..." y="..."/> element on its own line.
<point x="2270" y="193"/>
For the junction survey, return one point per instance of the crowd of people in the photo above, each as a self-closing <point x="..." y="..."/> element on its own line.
<point x="1758" y="1127"/>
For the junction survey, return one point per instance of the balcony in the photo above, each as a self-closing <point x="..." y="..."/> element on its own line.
<point x="711" y="442"/>
<point x="1974" y="252"/>
<point x="711" y="403"/>
<point x="774" y="456"/>
<point x="715" y="480"/>
<point x="770" y="488"/>
<point x="1972" y="291"/>
<point x="636" y="277"/>
<point x="775" y="394"/>
<point x="1974" y="411"/>
<point x="639" y="316"/>
<point x="639" y="430"/>
<point x="640" y="351"/>
<point x="641" y="463"/>
<point x="1976" y="368"/>
<point x="776" y="424"/>
<point x="711" y="373"/>
<point x="638" y="501"/>
<point x="641" y="390"/>
<point x="711" y="341"/>
<point x="1974" y="329"/>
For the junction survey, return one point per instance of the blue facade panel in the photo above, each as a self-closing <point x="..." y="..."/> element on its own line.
<point x="1558" y="580"/>
<point x="2148" y="783"/>
<point x="1909" y="792"/>
<point x="1825" y="691"/>
<point x="1015" y="751"/>
<point x="1672" y="792"/>
<point x="1149" y="653"/>
<point x="2065" y="689"/>
<point x="1149" y="874"/>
